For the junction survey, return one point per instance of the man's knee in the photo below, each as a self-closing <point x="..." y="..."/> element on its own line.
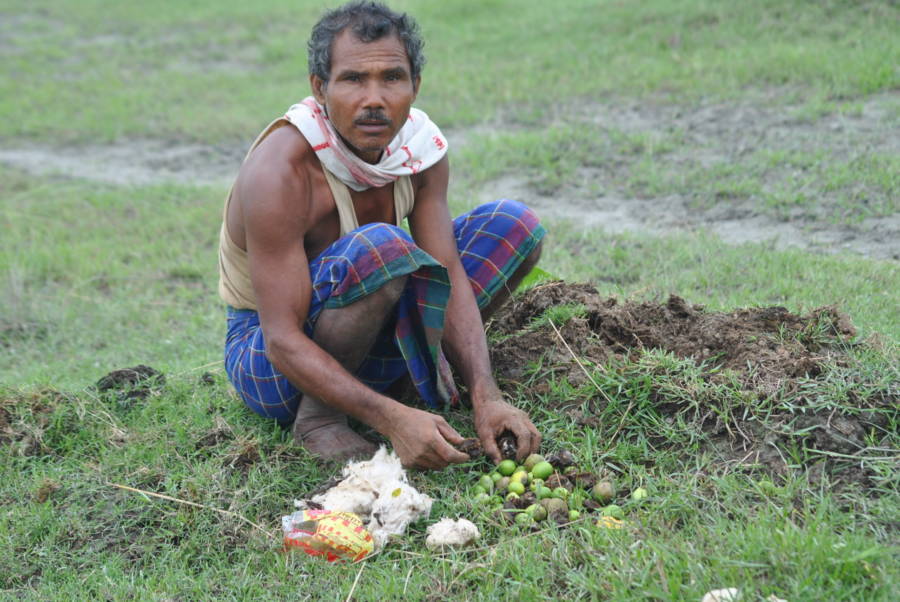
<point x="533" y="258"/>
<point x="511" y="209"/>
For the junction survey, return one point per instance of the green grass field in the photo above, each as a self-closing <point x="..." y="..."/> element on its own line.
<point x="97" y="276"/>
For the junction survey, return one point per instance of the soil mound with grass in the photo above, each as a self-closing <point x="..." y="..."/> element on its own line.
<point x="758" y="382"/>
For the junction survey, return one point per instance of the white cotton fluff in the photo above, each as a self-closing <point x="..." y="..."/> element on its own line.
<point x="449" y="532"/>
<point x="728" y="594"/>
<point x="379" y="492"/>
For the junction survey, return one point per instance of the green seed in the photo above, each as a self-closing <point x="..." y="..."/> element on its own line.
<point x="537" y="512"/>
<point x="506" y="468"/>
<point x="613" y="511"/>
<point x="542" y="470"/>
<point x="533" y="460"/>
<point x="516" y="487"/>
<point x="603" y="491"/>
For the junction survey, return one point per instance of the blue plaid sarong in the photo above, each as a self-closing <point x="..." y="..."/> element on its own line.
<point x="492" y="239"/>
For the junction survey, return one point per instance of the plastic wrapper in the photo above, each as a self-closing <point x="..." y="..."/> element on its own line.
<point x="339" y="536"/>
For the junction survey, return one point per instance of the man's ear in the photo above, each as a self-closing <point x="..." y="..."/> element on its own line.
<point x="416" y="83"/>
<point x="318" y="88"/>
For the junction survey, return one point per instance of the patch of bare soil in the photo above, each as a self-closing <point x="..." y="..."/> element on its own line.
<point x="769" y="352"/>
<point x="134" y="162"/>
<point x="715" y="135"/>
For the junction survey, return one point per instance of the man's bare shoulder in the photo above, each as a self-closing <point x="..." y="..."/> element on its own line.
<point x="282" y="159"/>
<point x="435" y="178"/>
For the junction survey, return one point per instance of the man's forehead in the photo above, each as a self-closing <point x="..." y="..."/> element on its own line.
<point x="351" y="53"/>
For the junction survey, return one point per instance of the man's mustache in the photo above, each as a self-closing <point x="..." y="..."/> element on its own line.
<point x="372" y="117"/>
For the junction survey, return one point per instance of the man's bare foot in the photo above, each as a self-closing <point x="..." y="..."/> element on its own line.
<point x="335" y="441"/>
<point x="324" y="432"/>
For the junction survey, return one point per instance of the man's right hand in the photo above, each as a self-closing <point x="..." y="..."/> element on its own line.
<point x="424" y="440"/>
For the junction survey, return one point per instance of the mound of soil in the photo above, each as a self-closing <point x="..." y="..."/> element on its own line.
<point x="132" y="383"/>
<point x="764" y="351"/>
<point x="765" y="346"/>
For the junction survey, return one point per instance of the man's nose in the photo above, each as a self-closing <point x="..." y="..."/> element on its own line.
<point x="374" y="94"/>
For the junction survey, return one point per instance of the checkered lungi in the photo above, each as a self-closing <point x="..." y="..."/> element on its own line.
<point x="493" y="240"/>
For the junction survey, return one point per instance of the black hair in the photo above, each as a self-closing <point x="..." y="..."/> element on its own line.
<point x="369" y="21"/>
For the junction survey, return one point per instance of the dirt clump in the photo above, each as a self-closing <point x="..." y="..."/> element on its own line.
<point x="129" y="384"/>
<point x="769" y="357"/>
<point x="764" y="346"/>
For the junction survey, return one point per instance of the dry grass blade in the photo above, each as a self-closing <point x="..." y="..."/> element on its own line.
<point x="195" y="504"/>
<point x="593" y="382"/>
<point x="355" y="581"/>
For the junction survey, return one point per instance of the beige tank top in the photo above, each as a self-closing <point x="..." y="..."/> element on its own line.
<point x="235" y="287"/>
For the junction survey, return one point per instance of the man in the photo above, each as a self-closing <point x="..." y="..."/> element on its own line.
<point x="329" y="303"/>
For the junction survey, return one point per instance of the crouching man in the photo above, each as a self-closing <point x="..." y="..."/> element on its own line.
<point x="330" y="301"/>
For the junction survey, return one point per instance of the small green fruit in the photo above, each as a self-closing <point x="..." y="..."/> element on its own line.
<point x="512" y="495"/>
<point x="603" y="491"/>
<point x="495" y="500"/>
<point x="561" y="493"/>
<point x="555" y="506"/>
<point x="533" y="460"/>
<point x="496" y="476"/>
<point x="535" y="483"/>
<point x="478" y="490"/>
<point x="502" y="484"/>
<point x="523" y="518"/>
<point x="542" y="470"/>
<point x="506" y="467"/>
<point x="613" y="511"/>
<point x="639" y="494"/>
<point x="520" y="476"/>
<point x="543" y="492"/>
<point x="481" y="498"/>
<point x="486" y="482"/>
<point x="537" y="512"/>
<point x="574" y="514"/>
<point x="516" y="487"/>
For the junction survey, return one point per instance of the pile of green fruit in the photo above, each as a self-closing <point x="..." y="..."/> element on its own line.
<point x="550" y="488"/>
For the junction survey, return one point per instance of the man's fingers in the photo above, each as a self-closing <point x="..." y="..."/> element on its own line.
<point x="523" y="442"/>
<point x="489" y="445"/>
<point x="449" y="433"/>
<point x="535" y="439"/>
<point x="446" y="452"/>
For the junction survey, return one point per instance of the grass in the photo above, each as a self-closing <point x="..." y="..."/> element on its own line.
<point x="97" y="277"/>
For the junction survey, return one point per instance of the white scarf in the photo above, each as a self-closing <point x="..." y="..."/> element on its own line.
<point x="417" y="146"/>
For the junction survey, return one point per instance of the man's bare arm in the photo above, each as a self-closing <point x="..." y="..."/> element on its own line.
<point x="277" y="210"/>
<point x="464" y="338"/>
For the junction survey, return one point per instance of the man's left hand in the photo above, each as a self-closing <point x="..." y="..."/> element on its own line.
<point x="494" y="416"/>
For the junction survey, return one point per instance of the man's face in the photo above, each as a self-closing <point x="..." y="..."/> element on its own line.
<point x="369" y="94"/>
